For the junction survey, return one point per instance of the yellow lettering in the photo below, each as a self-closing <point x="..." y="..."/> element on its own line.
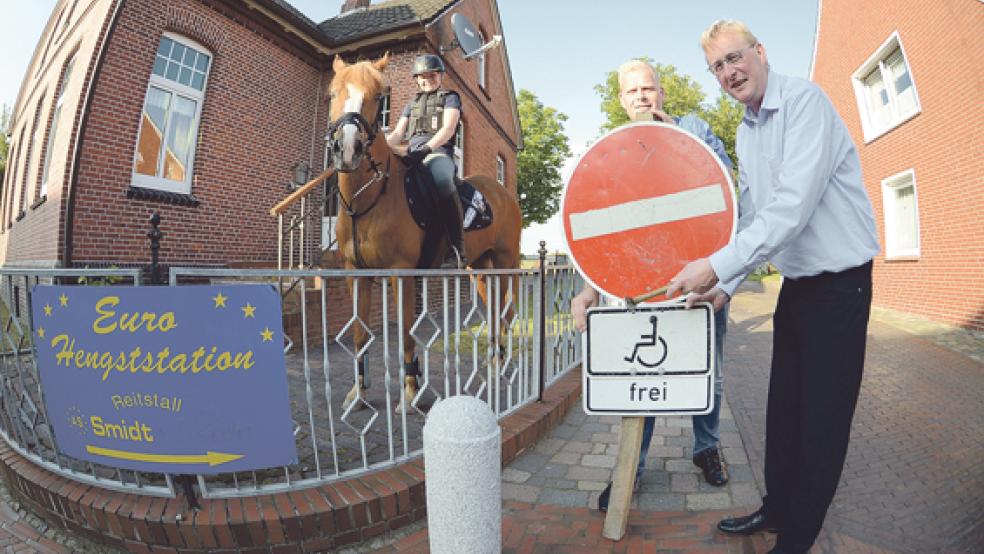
<point x="97" y="428"/>
<point x="105" y="330"/>
<point x="130" y="322"/>
<point x="67" y="350"/>
<point x="165" y="323"/>
<point x="244" y="361"/>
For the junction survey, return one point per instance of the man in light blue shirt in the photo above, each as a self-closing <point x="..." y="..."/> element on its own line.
<point x="640" y="92"/>
<point x="803" y="206"/>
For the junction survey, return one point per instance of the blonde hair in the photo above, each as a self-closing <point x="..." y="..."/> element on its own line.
<point x="726" y="26"/>
<point x="634" y="65"/>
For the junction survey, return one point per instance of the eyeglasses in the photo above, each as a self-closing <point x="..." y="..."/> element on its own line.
<point x="732" y="59"/>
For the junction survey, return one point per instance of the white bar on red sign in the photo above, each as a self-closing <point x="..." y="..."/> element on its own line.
<point x="649" y="211"/>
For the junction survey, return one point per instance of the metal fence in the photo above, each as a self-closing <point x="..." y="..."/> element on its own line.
<point x="505" y="352"/>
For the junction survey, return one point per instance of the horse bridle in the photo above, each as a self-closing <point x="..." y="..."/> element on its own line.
<point x="366" y="135"/>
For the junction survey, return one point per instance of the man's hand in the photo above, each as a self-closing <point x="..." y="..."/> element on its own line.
<point x="660" y="115"/>
<point x="401" y="150"/>
<point x="579" y="307"/>
<point x="419" y="152"/>
<point x="717" y="297"/>
<point x="697" y="276"/>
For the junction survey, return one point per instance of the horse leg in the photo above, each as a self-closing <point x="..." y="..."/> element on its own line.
<point x="362" y="292"/>
<point x="411" y="365"/>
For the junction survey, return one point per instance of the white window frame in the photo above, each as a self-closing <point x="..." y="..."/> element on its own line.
<point x="459" y="149"/>
<point x="31" y="171"/>
<point x="53" y="131"/>
<point x="889" y="187"/>
<point x="481" y="62"/>
<point x="160" y="183"/>
<point x="500" y="170"/>
<point x="385" y="110"/>
<point x="870" y="128"/>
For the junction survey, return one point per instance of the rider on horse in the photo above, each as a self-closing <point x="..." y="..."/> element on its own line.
<point x="429" y="123"/>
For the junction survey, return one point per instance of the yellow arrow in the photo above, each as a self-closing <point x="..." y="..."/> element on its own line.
<point x="210" y="458"/>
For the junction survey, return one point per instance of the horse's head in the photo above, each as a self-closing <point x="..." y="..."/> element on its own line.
<point x="357" y="91"/>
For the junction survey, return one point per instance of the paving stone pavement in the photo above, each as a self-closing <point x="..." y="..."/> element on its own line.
<point x="912" y="481"/>
<point x="573" y="466"/>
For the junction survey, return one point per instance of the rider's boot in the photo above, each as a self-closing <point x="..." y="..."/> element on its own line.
<point x="450" y="208"/>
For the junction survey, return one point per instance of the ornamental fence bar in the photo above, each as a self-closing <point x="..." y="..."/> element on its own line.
<point x="503" y="352"/>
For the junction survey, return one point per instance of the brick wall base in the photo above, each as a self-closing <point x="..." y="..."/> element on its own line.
<point x="316" y="519"/>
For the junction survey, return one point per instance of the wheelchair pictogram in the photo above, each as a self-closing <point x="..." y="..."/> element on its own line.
<point x="650" y="341"/>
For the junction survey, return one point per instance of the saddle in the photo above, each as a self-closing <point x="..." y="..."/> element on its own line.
<point x="422" y="200"/>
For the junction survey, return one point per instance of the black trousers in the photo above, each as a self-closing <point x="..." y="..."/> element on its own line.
<point x="818" y="346"/>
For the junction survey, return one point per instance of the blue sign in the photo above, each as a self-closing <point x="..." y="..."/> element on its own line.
<point x="165" y="379"/>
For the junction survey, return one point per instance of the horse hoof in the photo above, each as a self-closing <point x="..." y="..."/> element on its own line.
<point x="352" y="397"/>
<point x="410" y="391"/>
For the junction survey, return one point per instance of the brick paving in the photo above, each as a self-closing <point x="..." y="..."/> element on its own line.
<point x="912" y="481"/>
<point x="909" y="483"/>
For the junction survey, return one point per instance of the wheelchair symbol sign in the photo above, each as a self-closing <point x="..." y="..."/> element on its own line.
<point x="655" y="359"/>
<point x="651" y="342"/>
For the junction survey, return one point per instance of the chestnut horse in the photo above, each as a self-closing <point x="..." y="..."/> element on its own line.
<point x="375" y="229"/>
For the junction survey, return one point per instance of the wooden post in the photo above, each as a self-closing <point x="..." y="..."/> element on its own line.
<point x="629" y="447"/>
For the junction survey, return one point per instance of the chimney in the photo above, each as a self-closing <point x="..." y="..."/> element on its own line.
<point x="350" y="5"/>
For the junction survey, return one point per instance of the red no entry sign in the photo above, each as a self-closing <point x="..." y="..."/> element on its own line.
<point x="642" y="202"/>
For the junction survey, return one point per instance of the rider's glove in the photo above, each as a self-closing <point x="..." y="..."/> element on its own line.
<point x="418" y="153"/>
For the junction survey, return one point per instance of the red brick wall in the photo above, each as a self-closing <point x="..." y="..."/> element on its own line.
<point x="489" y="123"/>
<point x="265" y="109"/>
<point x="942" y="144"/>
<point x="486" y="112"/>
<point x="258" y="119"/>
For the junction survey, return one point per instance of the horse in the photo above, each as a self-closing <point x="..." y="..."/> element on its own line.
<point x="375" y="229"/>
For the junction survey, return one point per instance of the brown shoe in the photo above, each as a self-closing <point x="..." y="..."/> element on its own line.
<point x="710" y="462"/>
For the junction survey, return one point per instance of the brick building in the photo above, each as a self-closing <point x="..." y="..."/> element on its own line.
<point x="901" y="75"/>
<point x="207" y="111"/>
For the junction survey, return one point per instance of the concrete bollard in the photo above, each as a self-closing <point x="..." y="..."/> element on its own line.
<point x="463" y="471"/>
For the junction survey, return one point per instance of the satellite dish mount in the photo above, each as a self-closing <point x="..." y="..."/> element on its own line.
<point x="468" y="38"/>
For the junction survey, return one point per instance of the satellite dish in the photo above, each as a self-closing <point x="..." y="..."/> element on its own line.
<point x="468" y="37"/>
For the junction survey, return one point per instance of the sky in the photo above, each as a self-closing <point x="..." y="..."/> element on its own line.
<point x="557" y="49"/>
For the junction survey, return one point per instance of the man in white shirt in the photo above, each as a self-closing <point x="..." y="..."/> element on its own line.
<point x="804" y="207"/>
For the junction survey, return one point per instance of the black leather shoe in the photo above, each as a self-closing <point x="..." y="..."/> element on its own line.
<point x="606" y="494"/>
<point x="747" y="525"/>
<point x="710" y="462"/>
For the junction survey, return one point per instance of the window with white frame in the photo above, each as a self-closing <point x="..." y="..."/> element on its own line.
<point x="66" y="75"/>
<point x="384" y="110"/>
<point x="885" y="90"/>
<point x="172" y="110"/>
<point x="500" y="170"/>
<point x="459" y="149"/>
<point x="481" y="62"/>
<point x="901" y="215"/>
<point x="37" y="132"/>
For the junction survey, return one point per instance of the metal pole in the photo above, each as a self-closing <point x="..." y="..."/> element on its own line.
<point x="542" y="318"/>
<point x="155" y="235"/>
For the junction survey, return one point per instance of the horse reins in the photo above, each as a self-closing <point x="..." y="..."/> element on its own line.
<point x="369" y="132"/>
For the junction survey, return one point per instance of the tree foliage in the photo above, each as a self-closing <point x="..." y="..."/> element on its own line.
<point x="724" y="117"/>
<point x="544" y="152"/>
<point x="683" y="95"/>
<point x="4" y="122"/>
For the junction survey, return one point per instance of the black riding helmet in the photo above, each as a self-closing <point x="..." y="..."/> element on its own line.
<point x="427" y="63"/>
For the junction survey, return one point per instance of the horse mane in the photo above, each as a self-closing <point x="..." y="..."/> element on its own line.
<point x="363" y="75"/>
